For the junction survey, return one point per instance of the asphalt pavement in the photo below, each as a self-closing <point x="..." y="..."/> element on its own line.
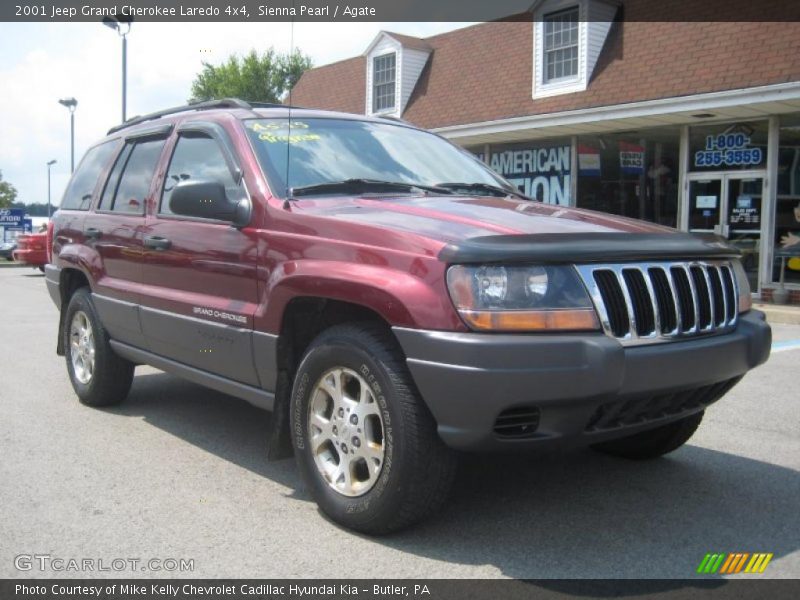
<point x="180" y="472"/>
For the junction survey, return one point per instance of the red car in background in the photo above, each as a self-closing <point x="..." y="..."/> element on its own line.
<point x="32" y="250"/>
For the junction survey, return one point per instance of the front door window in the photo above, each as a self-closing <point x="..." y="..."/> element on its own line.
<point x="743" y="227"/>
<point x="729" y="205"/>
<point x="705" y="200"/>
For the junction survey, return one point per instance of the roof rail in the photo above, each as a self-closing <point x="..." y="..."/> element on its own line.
<point x="269" y="105"/>
<point x="206" y="105"/>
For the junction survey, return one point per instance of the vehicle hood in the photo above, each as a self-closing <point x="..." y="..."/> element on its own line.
<point x="457" y="218"/>
<point x="481" y="228"/>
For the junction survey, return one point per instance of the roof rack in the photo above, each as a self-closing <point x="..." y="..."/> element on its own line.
<point x="271" y="105"/>
<point x="205" y="105"/>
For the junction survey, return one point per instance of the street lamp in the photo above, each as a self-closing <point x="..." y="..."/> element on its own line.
<point x="50" y="163"/>
<point x="122" y="25"/>
<point x="71" y="104"/>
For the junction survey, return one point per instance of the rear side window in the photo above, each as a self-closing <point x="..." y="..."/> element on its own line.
<point x="79" y="191"/>
<point x="130" y="179"/>
<point x="196" y="157"/>
<point x="107" y="199"/>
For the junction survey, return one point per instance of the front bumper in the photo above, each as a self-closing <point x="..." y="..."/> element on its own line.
<point x="586" y="388"/>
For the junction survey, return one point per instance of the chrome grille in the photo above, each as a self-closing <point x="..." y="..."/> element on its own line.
<point x="645" y="303"/>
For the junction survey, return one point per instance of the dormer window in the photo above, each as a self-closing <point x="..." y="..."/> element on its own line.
<point x="384" y="78"/>
<point x="561" y="45"/>
<point x="568" y="36"/>
<point x="394" y="63"/>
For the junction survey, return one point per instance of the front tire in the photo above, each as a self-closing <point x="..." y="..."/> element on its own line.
<point x="653" y="442"/>
<point x="99" y="377"/>
<point x="365" y="443"/>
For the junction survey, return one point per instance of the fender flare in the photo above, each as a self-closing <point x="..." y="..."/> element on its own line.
<point x="400" y="298"/>
<point x="70" y="259"/>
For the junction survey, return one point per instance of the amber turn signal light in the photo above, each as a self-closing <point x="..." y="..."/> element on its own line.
<point x="580" y="319"/>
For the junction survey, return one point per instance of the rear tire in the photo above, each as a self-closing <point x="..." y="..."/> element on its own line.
<point x="653" y="442"/>
<point x="365" y="443"/>
<point x="99" y="377"/>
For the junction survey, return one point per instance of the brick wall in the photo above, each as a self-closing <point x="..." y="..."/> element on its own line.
<point x="794" y="296"/>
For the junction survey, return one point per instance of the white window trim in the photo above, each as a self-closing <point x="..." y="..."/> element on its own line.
<point x="392" y="109"/>
<point x="371" y="53"/>
<point x="542" y="89"/>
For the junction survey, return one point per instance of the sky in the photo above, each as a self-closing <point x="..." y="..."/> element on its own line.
<point x="42" y="62"/>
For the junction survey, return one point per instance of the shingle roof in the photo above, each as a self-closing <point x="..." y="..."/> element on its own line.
<point x="414" y="43"/>
<point x="338" y="86"/>
<point x="484" y="72"/>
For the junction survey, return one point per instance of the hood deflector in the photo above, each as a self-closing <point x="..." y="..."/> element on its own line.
<point x="560" y="248"/>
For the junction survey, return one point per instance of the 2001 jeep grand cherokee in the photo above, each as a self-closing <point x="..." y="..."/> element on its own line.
<point x="388" y="297"/>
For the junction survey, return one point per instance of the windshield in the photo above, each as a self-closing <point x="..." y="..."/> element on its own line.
<point x="322" y="151"/>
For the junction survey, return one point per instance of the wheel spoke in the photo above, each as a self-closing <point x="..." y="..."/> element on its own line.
<point x="369" y="409"/>
<point x="321" y="427"/>
<point x="366" y="403"/>
<point x="373" y="456"/>
<point x="334" y="387"/>
<point x="342" y="477"/>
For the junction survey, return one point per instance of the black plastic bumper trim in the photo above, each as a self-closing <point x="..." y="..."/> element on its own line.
<point x="468" y="379"/>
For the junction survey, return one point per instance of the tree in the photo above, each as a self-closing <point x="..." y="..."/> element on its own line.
<point x="257" y="78"/>
<point x="8" y="193"/>
<point x="35" y="209"/>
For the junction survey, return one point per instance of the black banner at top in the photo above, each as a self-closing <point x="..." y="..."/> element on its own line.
<point x="381" y="10"/>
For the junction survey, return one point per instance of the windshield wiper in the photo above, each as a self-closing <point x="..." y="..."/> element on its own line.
<point x="494" y="190"/>
<point x="364" y="185"/>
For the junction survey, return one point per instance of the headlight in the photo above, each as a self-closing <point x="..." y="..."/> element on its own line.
<point x="743" y="285"/>
<point x="521" y="298"/>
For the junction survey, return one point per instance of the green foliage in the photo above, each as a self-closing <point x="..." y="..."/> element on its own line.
<point x="257" y="78"/>
<point x="8" y="193"/>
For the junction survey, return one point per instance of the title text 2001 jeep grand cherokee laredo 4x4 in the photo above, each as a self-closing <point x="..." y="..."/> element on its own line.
<point x="388" y="297"/>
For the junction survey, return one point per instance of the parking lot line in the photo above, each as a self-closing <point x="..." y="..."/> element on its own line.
<point x="785" y="345"/>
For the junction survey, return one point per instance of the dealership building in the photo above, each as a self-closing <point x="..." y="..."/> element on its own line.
<point x="694" y="125"/>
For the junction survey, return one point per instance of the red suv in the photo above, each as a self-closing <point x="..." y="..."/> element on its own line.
<point x="32" y="250"/>
<point x="389" y="297"/>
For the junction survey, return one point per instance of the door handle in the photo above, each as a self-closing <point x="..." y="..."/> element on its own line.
<point x="93" y="233"/>
<point x="157" y="243"/>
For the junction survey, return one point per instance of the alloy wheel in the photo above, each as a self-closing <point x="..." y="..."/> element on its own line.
<point x="346" y="432"/>
<point x="82" y="348"/>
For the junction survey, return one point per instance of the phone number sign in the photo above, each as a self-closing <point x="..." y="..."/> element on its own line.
<point x="728" y="150"/>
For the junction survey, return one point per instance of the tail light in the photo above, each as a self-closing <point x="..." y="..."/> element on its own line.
<point x="50" y="241"/>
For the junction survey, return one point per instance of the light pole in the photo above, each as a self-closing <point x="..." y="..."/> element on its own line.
<point x="71" y="104"/>
<point x="122" y="25"/>
<point x="50" y="163"/>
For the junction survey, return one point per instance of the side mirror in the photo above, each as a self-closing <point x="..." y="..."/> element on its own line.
<point x="208" y="200"/>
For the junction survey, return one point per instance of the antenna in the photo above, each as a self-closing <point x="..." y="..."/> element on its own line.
<point x="289" y="131"/>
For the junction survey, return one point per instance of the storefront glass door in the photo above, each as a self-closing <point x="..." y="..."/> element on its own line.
<point x="729" y="204"/>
